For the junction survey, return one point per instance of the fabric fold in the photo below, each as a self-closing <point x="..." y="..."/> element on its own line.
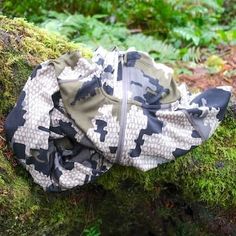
<point x="67" y="124"/>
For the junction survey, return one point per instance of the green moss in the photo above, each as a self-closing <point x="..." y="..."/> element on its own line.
<point x="23" y="46"/>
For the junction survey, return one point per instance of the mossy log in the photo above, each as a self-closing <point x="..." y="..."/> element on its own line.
<point x="192" y="195"/>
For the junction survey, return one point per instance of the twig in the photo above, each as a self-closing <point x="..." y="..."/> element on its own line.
<point x="2" y="138"/>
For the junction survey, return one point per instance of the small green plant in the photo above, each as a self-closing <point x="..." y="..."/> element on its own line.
<point x="93" y="230"/>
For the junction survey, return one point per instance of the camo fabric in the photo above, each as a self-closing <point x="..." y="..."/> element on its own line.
<point x="76" y="117"/>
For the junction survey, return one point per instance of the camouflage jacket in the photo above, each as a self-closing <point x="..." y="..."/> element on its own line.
<point x="76" y="117"/>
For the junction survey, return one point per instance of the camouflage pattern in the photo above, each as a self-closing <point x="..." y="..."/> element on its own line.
<point x="76" y="117"/>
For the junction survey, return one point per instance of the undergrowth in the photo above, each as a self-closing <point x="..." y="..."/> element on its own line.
<point x="93" y="32"/>
<point x="182" y="23"/>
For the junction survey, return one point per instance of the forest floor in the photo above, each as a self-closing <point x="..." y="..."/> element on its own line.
<point x="215" y="70"/>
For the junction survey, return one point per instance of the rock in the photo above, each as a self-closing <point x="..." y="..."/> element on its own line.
<point x="124" y="201"/>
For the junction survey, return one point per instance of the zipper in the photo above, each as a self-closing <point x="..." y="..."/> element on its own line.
<point x="123" y="110"/>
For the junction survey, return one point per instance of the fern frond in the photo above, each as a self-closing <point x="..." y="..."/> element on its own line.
<point x="187" y="34"/>
<point x="192" y="54"/>
<point x="159" y="49"/>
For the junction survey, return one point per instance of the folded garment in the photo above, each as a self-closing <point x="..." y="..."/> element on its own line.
<point x="76" y="117"/>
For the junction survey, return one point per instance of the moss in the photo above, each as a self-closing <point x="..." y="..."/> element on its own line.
<point x="184" y="197"/>
<point x="23" y="46"/>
